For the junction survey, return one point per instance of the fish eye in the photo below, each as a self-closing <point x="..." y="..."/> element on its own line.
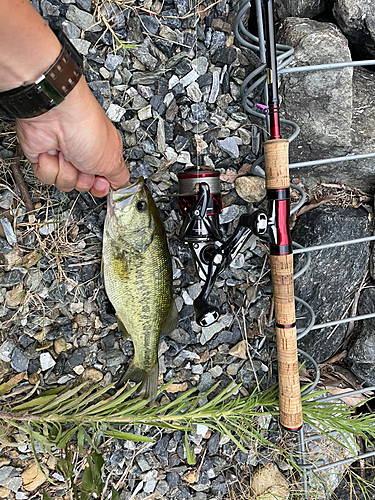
<point x="141" y="206"/>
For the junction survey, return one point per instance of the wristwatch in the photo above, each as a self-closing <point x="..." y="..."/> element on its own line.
<point x="47" y="91"/>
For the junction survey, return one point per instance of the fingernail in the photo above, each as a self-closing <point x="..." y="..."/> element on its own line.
<point x="101" y="183"/>
<point x="53" y="152"/>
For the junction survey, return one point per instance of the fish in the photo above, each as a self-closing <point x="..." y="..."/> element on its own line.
<point x="137" y="274"/>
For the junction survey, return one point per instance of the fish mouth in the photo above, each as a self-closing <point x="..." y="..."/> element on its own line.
<point x="123" y="197"/>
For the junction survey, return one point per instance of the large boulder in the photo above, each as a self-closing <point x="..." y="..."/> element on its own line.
<point x="356" y="18"/>
<point x="320" y="102"/>
<point x="334" y="108"/>
<point x="300" y="8"/>
<point x="334" y="274"/>
<point x="361" y="355"/>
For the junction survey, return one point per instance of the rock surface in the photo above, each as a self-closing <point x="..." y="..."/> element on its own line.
<point x="334" y="273"/>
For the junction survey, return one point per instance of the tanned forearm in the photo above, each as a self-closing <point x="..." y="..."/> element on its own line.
<point x="28" y="46"/>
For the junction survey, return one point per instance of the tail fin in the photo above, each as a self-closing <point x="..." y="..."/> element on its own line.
<point x="148" y="378"/>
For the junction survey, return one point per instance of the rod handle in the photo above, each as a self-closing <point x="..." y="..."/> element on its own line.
<point x="276" y="152"/>
<point x="286" y="339"/>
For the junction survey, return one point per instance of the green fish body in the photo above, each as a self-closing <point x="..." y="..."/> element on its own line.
<point x="137" y="273"/>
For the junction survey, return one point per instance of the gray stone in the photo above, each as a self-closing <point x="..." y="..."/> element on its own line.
<point x="334" y="274"/>
<point x="131" y="125"/>
<point x="193" y="92"/>
<point x="48" y="9"/>
<point x="300" y="8"/>
<point x="173" y="81"/>
<point x="145" y="91"/>
<point x="228" y="214"/>
<point x="200" y="64"/>
<point x="209" y="331"/>
<point x="143" y="169"/>
<point x="217" y="41"/>
<point x="356" y="19"/>
<point x="6" y="350"/>
<point x="46" y="361"/>
<point x="84" y="4"/>
<point x="168" y="34"/>
<point x="205" y="383"/>
<point x="114" y="15"/>
<point x="143" y="55"/>
<point x="362" y="353"/>
<point x="13" y="277"/>
<point x="102" y="92"/>
<point x="230" y="146"/>
<point x="157" y="104"/>
<point x="9" y="478"/>
<point x="160" y="136"/>
<point x="82" y="46"/>
<point x="70" y="30"/>
<point x="198" y="112"/>
<point x="82" y="19"/>
<point x="148" y="147"/>
<point x="145" y="113"/>
<point x="8" y="231"/>
<point x="113" y="61"/>
<point x="180" y="336"/>
<point x="19" y="362"/>
<point x="215" y="87"/>
<point x="189" y="78"/>
<point x="150" y="24"/>
<point x="117" y="78"/>
<point x="6" y="199"/>
<point x="115" y="112"/>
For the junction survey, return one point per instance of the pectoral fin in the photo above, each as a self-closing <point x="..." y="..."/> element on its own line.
<point x="122" y="328"/>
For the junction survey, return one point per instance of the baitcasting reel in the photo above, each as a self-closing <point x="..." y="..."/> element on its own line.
<point x="200" y="205"/>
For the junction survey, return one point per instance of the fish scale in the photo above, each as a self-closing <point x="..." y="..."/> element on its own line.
<point x="137" y="274"/>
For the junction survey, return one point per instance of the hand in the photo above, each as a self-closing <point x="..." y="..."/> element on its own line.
<point x="75" y="145"/>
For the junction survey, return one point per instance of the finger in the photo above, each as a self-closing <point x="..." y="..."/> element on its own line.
<point x="118" y="174"/>
<point x="100" y="187"/>
<point x="85" y="182"/>
<point x="67" y="176"/>
<point x="47" y="168"/>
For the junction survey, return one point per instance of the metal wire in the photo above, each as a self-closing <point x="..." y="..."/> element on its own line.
<point x="254" y="80"/>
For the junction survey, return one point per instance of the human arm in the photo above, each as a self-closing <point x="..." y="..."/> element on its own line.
<point x="74" y="145"/>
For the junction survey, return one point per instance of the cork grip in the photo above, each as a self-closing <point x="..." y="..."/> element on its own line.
<point x="286" y="339"/>
<point x="276" y="160"/>
<point x="277" y="178"/>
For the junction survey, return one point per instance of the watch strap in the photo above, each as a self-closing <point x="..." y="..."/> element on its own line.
<point x="49" y="90"/>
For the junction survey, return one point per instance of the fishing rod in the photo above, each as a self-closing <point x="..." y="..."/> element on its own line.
<point x="276" y="157"/>
<point x="200" y="205"/>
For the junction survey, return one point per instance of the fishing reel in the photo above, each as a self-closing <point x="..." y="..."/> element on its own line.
<point x="200" y="205"/>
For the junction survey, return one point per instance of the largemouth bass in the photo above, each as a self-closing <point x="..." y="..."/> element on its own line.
<point x="137" y="273"/>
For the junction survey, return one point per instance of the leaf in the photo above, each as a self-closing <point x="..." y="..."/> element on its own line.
<point x="45" y="496"/>
<point x="80" y="439"/>
<point x="8" y="386"/>
<point x="66" y="467"/>
<point x="127" y="436"/>
<point x="91" y="479"/>
<point x="66" y="395"/>
<point x="65" y="437"/>
<point x="114" y="494"/>
<point x="34" y="403"/>
<point x="189" y="453"/>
